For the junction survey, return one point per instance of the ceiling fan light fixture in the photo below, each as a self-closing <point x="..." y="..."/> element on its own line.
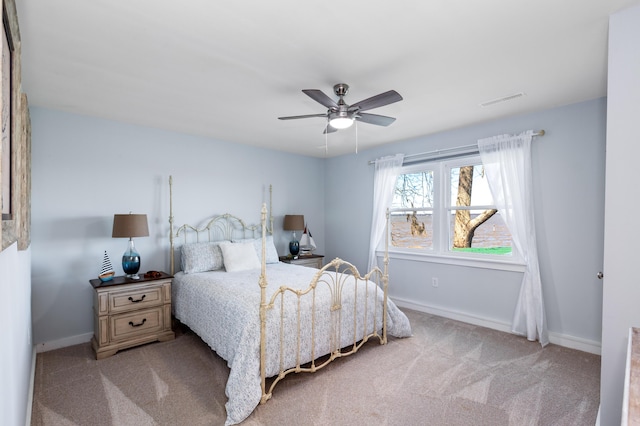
<point x="340" y="121"/>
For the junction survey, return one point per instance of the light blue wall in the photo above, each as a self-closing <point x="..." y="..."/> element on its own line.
<point x="16" y="356"/>
<point x="86" y="169"/>
<point x="568" y="165"/>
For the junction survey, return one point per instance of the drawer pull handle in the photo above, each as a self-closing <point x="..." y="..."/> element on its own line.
<point x="137" y="325"/>
<point x="139" y="300"/>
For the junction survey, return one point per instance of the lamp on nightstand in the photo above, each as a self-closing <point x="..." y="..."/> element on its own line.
<point x="294" y="222"/>
<point x="129" y="226"/>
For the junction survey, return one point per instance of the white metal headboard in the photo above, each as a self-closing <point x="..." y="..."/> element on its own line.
<point x="221" y="227"/>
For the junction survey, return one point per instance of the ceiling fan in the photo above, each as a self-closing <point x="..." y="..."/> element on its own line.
<point x="340" y="115"/>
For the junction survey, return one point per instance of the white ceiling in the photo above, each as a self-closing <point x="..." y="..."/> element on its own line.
<point x="227" y="70"/>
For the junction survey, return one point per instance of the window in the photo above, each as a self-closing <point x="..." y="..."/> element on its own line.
<point x="412" y="210"/>
<point x="445" y="209"/>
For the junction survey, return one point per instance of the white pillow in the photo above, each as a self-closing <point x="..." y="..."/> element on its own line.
<point x="239" y="256"/>
<point x="272" y="253"/>
<point x="201" y="257"/>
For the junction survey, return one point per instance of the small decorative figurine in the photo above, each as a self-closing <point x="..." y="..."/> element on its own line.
<point x="307" y="245"/>
<point x="107" y="272"/>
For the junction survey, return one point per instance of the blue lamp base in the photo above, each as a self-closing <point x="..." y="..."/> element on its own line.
<point x="294" y="247"/>
<point x="131" y="262"/>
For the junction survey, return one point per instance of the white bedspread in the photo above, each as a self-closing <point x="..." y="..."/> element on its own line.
<point x="223" y="309"/>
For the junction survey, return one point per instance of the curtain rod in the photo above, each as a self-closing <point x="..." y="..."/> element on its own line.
<point x="446" y="152"/>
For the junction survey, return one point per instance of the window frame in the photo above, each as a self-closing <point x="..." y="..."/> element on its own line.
<point x="440" y="251"/>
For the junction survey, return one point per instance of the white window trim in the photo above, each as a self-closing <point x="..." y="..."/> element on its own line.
<point x="442" y="196"/>
<point x="467" y="260"/>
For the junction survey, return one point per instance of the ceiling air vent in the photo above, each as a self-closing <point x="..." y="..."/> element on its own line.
<point x="503" y="99"/>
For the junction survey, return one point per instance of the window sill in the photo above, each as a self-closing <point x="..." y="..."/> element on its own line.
<point x="471" y="262"/>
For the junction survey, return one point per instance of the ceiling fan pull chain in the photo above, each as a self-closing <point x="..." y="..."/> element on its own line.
<point x="356" y="136"/>
<point x="326" y="136"/>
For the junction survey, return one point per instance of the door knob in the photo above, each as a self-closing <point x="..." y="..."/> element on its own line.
<point x="600" y="275"/>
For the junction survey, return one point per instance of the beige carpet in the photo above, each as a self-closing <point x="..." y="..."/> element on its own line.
<point x="448" y="373"/>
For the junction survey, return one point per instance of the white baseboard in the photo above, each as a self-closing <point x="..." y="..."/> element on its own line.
<point x="32" y="383"/>
<point x="63" y="343"/>
<point x="577" y="343"/>
<point x="454" y="315"/>
<point x="567" y="341"/>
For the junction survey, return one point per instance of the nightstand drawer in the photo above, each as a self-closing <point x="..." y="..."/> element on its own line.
<point x="127" y="326"/>
<point x="136" y="299"/>
<point x="309" y="262"/>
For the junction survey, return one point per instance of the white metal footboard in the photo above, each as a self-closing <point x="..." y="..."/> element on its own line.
<point x="344" y="282"/>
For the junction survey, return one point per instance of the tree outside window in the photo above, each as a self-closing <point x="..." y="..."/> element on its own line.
<point x="412" y="210"/>
<point x="446" y="207"/>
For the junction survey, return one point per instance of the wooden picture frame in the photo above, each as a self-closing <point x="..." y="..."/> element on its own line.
<point x="6" y="52"/>
<point x="15" y="151"/>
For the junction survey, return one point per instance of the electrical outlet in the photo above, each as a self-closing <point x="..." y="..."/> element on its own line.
<point x="434" y="282"/>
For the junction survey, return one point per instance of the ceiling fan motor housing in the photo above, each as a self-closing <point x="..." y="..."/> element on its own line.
<point x="341" y="89"/>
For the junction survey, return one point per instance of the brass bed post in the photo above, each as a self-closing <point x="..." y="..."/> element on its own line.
<point x="171" y="261"/>
<point x="263" y="307"/>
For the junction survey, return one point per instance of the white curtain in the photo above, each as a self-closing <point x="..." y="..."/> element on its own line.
<point x="384" y="180"/>
<point x="507" y="165"/>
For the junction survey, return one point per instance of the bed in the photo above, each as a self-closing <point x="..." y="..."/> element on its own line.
<point x="267" y="318"/>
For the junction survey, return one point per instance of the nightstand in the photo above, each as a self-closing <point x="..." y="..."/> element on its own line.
<point x="128" y="313"/>
<point x="312" y="260"/>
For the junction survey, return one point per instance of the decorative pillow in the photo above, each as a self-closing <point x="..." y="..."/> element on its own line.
<point x="239" y="256"/>
<point x="201" y="257"/>
<point x="272" y="253"/>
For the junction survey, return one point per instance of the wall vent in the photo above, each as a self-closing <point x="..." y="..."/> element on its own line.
<point x="503" y="99"/>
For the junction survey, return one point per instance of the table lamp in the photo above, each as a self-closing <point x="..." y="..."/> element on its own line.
<point x="294" y="222"/>
<point x="130" y="226"/>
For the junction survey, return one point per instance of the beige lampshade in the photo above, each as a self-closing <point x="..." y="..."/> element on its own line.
<point x="293" y="222"/>
<point x="130" y="225"/>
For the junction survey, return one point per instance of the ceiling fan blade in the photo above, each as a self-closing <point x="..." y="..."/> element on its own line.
<point x="295" y="117"/>
<point x="329" y="129"/>
<point x="382" y="99"/>
<point x="320" y="97"/>
<point x="378" y="120"/>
